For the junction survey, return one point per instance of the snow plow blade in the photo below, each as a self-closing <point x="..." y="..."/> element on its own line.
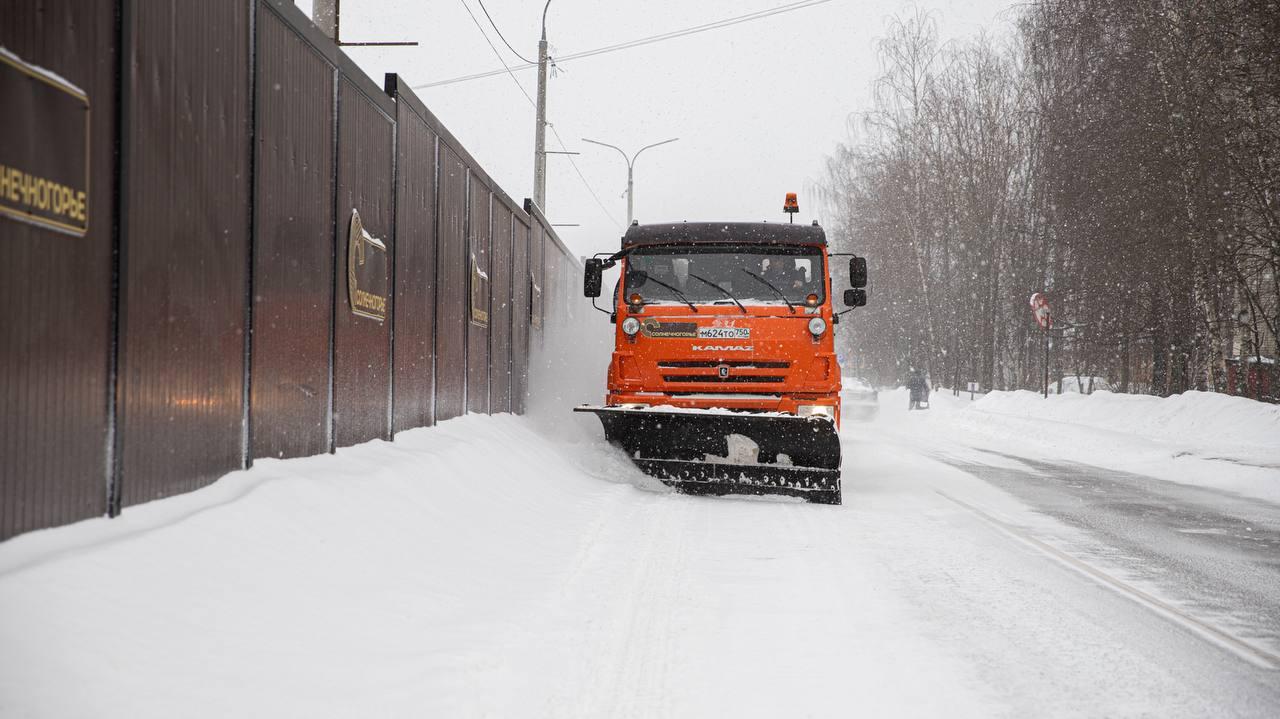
<point x="690" y="450"/>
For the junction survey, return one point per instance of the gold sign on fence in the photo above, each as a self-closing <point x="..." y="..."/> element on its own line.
<point x="44" y="148"/>
<point x="535" y="303"/>
<point x="366" y="272"/>
<point x="479" y="294"/>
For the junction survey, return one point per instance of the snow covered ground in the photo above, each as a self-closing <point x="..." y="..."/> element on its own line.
<point x="1199" y="438"/>
<point x="989" y="560"/>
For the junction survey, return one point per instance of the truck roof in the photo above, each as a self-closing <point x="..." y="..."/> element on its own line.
<point x="762" y="233"/>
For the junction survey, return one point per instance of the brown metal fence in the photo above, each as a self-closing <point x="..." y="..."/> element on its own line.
<point x="56" y="327"/>
<point x="520" y="318"/>
<point x="451" y="282"/>
<point x="292" y="272"/>
<point x="500" y="311"/>
<point x="279" y="260"/>
<point x="362" y="336"/>
<point x="184" y="256"/>
<point x="479" y="235"/>
<point x="415" y="263"/>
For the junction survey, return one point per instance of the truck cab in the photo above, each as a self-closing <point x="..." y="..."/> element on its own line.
<point x="725" y="331"/>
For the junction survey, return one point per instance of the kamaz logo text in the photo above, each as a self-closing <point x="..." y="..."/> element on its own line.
<point x="722" y="348"/>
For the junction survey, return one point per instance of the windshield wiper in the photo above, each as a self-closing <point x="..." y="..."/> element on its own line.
<point x="726" y="293"/>
<point x="769" y="284"/>
<point x="676" y="290"/>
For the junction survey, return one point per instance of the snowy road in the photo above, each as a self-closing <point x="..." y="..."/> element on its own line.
<point x="480" y="569"/>
<point x="1214" y="553"/>
<point x="904" y="564"/>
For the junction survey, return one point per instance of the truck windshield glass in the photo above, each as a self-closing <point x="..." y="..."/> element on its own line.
<point x="796" y="272"/>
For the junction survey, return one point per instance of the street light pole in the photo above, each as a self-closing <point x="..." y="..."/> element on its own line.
<point x="631" y="162"/>
<point x="540" y="131"/>
<point x="630" y="195"/>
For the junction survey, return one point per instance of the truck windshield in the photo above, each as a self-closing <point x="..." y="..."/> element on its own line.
<point x="752" y="274"/>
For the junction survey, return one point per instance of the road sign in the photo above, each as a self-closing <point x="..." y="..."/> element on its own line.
<point x="973" y="387"/>
<point x="1040" y="310"/>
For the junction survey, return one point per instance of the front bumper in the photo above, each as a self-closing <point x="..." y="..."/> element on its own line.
<point x="703" y="451"/>
<point x="740" y="402"/>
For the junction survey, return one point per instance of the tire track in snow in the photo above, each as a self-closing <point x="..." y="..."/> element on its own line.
<point x="641" y="634"/>
<point x="617" y="604"/>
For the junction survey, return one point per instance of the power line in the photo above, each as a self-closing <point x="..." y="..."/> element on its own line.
<point x="496" y="53"/>
<point x="581" y="176"/>
<point x="727" y="22"/>
<point x="500" y="37"/>
<point x="802" y="4"/>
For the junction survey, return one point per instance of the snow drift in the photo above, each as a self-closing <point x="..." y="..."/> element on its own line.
<point x="1199" y="418"/>
<point x="1198" y="438"/>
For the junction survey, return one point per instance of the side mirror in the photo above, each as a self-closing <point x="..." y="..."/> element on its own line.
<point x="592" y="277"/>
<point x="858" y="273"/>
<point x="855" y="298"/>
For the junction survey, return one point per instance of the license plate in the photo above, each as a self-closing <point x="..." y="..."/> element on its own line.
<point x="725" y="333"/>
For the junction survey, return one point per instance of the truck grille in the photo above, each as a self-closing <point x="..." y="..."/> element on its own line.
<point x="712" y="364"/>
<point x="716" y="379"/>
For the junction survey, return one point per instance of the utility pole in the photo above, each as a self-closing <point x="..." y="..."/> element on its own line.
<point x="631" y="162"/>
<point x="325" y="14"/>
<point x="1046" y="362"/>
<point x="540" y="131"/>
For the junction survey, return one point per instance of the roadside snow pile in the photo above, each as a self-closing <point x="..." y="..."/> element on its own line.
<point x="1193" y="418"/>
<point x="1198" y="438"/>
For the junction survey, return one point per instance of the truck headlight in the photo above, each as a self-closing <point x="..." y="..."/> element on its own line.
<point x="817" y="326"/>
<point x="815" y="410"/>
<point x="631" y="326"/>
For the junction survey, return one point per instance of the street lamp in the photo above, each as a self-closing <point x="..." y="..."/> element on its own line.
<point x="631" y="162"/>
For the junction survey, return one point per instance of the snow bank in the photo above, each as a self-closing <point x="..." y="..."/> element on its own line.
<point x="1205" y="419"/>
<point x="1197" y="438"/>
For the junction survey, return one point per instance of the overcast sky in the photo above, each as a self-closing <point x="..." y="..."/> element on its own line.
<point x="757" y="106"/>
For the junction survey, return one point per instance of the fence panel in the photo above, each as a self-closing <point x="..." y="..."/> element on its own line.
<point x="520" y="288"/>
<point x="185" y="235"/>
<point x="415" y="269"/>
<point x="537" y="272"/>
<point x="361" y="338"/>
<point x="451" y="290"/>
<point x="293" y="249"/>
<point x="479" y="236"/>
<point x="500" y="313"/>
<point x="55" y="288"/>
<point x="550" y="277"/>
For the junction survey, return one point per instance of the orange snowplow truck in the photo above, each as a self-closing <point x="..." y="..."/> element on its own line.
<point x="724" y="376"/>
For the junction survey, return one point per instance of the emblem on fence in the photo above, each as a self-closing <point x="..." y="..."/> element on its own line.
<point x="479" y="294"/>
<point x="44" y="156"/>
<point x="366" y="271"/>
<point x="535" y="303"/>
